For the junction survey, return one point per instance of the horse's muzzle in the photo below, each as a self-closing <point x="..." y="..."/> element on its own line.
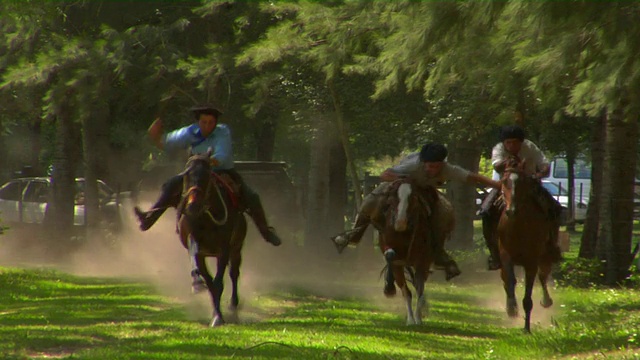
<point x="400" y="225"/>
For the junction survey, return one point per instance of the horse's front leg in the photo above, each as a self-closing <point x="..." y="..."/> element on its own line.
<point x="398" y="272"/>
<point x="216" y="286"/>
<point x="419" y="281"/>
<point x="527" y="301"/>
<point x="509" y="282"/>
<point x="198" y="283"/>
<point x="389" y="280"/>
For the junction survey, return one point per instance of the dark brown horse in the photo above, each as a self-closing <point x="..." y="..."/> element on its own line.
<point x="405" y="243"/>
<point x="210" y="224"/>
<point x="523" y="234"/>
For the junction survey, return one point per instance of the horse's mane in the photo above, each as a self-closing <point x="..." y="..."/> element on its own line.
<point x="195" y="158"/>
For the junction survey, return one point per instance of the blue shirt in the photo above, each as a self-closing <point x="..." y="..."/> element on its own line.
<point x="190" y="136"/>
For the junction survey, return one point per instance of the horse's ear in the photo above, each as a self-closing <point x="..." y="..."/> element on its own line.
<point x="209" y="151"/>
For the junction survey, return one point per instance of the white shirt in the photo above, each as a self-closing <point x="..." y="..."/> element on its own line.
<point x="529" y="152"/>
<point x="413" y="167"/>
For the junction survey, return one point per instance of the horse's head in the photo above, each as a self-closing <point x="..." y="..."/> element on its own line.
<point x="409" y="201"/>
<point x="514" y="177"/>
<point x="197" y="183"/>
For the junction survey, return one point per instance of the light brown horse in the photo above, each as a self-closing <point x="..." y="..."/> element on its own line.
<point x="405" y="243"/>
<point x="523" y="233"/>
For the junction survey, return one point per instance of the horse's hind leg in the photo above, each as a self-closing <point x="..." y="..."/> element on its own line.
<point x="527" y="302"/>
<point x="509" y="282"/>
<point x="543" y="276"/>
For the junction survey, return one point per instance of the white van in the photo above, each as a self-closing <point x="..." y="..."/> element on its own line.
<point x="582" y="181"/>
<point x="558" y="175"/>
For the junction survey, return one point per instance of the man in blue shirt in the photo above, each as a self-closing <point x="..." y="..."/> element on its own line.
<point x="201" y="136"/>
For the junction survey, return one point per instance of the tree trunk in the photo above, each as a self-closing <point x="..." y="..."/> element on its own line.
<point x="344" y="137"/>
<point x="463" y="195"/>
<point x="619" y="180"/>
<point x="95" y="141"/>
<point x="61" y="213"/>
<point x="318" y="188"/>
<point x="571" y="190"/>
<point x="589" y="240"/>
<point x="337" y="185"/>
<point x="265" y="138"/>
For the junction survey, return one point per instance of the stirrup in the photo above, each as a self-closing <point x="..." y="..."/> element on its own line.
<point x="342" y="240"/>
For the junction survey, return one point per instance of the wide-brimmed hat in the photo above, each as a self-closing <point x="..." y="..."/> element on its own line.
<point x="206" y="109"/>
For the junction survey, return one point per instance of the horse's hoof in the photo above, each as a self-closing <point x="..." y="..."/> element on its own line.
<point x="546" y="303"/>
<point x="198" y="286"/>
<point x="233" y="318"/>
<point x="389" y="291"/>
<point x="217" y="321"/>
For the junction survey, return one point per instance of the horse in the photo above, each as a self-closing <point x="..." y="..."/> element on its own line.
<point x="405" y="244"/>
<point x="523" y="234"/>
<point x="211" y="224"/>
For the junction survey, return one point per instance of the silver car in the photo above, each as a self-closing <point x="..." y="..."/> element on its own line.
<point x="25" y="200"/>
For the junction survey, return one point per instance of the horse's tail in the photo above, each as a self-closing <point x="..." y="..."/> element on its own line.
<point x="383" y="272"/>
<point x="410" y="274"/>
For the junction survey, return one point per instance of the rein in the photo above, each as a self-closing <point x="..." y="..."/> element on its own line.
<point x="186" y="192"/>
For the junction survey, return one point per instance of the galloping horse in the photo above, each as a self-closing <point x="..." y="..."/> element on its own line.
<point x="523" y="234"/>
<point x="405" y="244"/>
<point x="211" y="224"/>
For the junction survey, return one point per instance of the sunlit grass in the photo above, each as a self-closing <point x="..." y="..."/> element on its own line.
<point x="48" y="314"/>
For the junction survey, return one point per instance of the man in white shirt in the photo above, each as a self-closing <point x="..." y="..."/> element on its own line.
<point x="513" y="143"/>
<point x="427" y="168"/>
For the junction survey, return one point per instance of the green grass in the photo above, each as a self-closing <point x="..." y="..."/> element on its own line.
<point x="48" y="314"/>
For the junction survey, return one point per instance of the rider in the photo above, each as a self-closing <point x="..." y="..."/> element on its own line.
<point x="427" y="168"/>
<point x="201" y="136"/>
<point x="513" y="143"/>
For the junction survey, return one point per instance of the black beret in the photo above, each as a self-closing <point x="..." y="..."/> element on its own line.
<point x="433" y="153"/>
<point x="512" y="132"/>
<point x="205" y="109"/>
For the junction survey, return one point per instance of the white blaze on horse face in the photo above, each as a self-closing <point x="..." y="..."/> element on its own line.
<point x="403" y="195"/>
<point x="513" y="177"/>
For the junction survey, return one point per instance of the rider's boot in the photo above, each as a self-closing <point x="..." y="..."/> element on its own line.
<point x="370" y="208"/>
<point x="256" y="211"/>
<point x="169" y="196"/>
<point x="490" y="220"/>
<point x="354" y="235"/>
<point x="442" y="260"/>
<point x="553" y="248"/>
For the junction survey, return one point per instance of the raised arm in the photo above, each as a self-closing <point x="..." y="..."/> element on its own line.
<point x="480" y="179"/>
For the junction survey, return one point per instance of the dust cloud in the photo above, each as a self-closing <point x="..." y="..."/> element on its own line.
<point x="158" y="258"/>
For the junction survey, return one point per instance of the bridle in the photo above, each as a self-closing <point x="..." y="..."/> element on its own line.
<point x="189" y="193"/>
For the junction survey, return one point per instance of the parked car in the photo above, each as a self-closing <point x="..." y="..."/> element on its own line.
<point x="25" y="201"/>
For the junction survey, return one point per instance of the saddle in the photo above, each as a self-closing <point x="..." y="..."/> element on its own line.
<point x="226" y="182"/>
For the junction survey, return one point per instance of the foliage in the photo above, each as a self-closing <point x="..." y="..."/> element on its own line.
<point x="580" y="273"/>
